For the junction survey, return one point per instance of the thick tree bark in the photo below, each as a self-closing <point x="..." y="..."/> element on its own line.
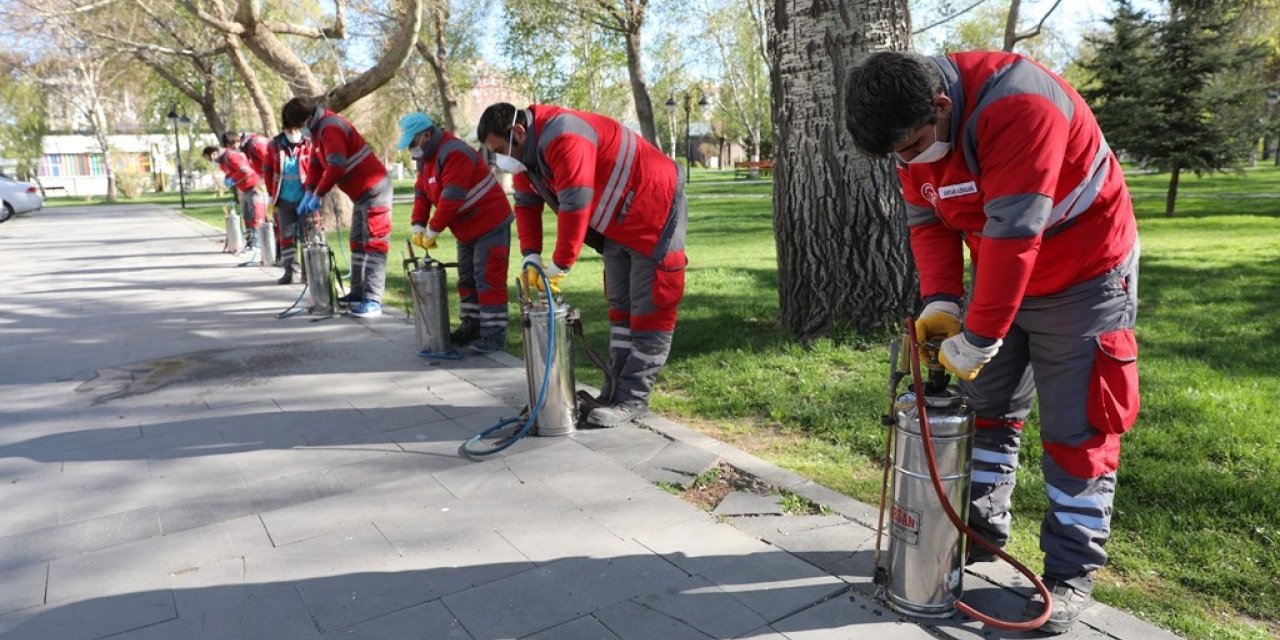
<point x="843" y="257"/>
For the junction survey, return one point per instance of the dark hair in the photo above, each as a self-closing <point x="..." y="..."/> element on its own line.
<point x="890" y="95"/>
<point x="496" y="120"/>
<point x="229" y="138"/>
<point x="296" y="111"/>
<point x="209" y="151"/>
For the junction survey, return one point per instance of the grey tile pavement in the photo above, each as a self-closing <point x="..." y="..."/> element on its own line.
<point x="176" y="462"/>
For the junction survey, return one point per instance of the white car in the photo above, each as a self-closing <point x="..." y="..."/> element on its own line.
<point x="18" y="197"/>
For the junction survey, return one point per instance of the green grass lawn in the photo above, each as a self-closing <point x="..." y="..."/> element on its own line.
<point x="1197" y="517"/>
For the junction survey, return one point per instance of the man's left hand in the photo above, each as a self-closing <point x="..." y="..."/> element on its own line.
<point x="963" y="358"/>
<point x="555" y="275"/>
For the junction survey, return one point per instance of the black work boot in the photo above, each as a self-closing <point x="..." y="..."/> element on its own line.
<point x="465" y="333"/>
<point x="616" y="414"/>
<point x="979" y="554"/>
<point x="287" y="278"/>
<point x="1068" y="598"/>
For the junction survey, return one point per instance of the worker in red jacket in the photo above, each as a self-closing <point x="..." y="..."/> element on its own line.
<point x="469" y="202"/>
<point x="239" y="175"/>
<point x="1002" y="157"/>
<point x="285" y="169"/>
<point x="254" y="147"/>
<point x="613" y="190"/>
<point x="342" y="159"/>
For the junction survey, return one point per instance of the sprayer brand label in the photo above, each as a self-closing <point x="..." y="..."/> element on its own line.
<point x="906" y="525"/>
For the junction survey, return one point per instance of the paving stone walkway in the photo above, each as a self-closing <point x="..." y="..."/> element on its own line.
<point x="175" y="462"/>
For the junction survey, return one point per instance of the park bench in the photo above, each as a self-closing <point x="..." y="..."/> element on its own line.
<point x="49" y="191"/>
<point x="743" y="168"/>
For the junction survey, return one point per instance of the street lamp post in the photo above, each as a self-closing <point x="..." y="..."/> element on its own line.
<point x="688" y="107"/>
<point x="177" y="145"/>
<point x="671" y="122"/>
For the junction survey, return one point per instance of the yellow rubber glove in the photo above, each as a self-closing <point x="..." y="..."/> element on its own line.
<point x="530" y="275"/>
<point x="938" y="321"/>
<point x="424" y="238"/>
<point x="555" y="275"/>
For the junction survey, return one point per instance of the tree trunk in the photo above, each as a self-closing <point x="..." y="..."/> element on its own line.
<point x="250" y="77"/>
<point x="639" y="90"/>
<point x="1011" y="25"/>
<point x="1171" y="197"/>
<point x="439" y="63"/>
<point x="839" y="221"/>
<point x="209" y="105"/>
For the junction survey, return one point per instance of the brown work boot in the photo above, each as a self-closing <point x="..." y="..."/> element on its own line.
<point x="1068" y="598"/>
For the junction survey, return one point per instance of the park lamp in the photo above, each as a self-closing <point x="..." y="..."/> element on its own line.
<point x="184" y="122"/>
<point x="688" y="109"/>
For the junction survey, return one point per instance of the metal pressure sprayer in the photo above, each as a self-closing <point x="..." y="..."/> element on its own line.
<point x="559" y="414"/>
<point x="929" y="447"/>
<point x="428" y="284"/>
<point x="925" y="570"/>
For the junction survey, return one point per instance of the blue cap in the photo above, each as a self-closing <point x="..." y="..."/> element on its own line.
<point x="410" y="126"/>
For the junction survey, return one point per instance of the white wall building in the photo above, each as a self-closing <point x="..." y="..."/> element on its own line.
<point x="73" y="164"/>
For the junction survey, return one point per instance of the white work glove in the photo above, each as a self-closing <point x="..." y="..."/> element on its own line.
<point x="965" y="359"/>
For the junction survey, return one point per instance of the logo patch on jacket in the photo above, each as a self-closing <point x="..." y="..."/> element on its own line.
<point x="962" y="189"/>
<point x="929" y="193"/>
<point x="431" y="180"/>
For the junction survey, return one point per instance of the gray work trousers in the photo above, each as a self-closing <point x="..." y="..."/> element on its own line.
<point x="1058" y="349"/>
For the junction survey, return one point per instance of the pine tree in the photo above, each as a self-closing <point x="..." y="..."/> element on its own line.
<point x="1122" y="82"/>
<point x="1179" y="95"/>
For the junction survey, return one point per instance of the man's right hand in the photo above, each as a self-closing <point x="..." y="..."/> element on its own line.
<point x="938" y="321"/>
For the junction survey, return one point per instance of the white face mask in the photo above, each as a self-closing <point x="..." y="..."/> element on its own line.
<point x="294" y="136"/>
<point x="509" y="164"/>
<point x="415" y="153"/>
<point x="933" y="153"/>
<point x="504" y="160"/>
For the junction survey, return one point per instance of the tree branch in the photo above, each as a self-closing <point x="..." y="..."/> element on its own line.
<point x="1035" y="31"/>
<point x="951" y="17"/>
<point x="143" y="46"/>
<point x="212" y="20"/>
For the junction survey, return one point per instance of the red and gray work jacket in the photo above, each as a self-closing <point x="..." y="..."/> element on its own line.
<point x="458" y="182"/>
<point x="254" y="147"/>
<point x="1030" y="186"/>
<point x="279" y="149"/>
<point x="599" y="177"/>
<point x="341" y="158"/>
<point x="237" y="167"/>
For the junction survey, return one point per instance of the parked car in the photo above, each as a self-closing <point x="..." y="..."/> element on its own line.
<point x="18" y="197"/>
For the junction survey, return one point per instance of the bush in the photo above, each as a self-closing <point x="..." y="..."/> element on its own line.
<point x="129" y="184"/>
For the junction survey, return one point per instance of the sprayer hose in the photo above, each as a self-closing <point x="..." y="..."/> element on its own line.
<point x="532" y="417"/>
